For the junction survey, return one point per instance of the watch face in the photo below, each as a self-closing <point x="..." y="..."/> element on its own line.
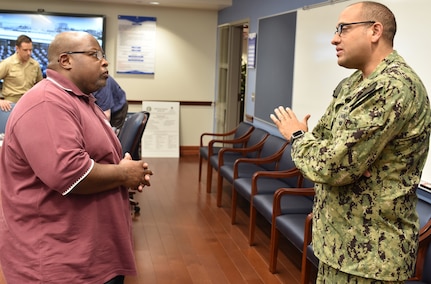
<point x="296" y="135"/>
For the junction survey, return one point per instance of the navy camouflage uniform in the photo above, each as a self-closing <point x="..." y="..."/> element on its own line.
<point x="369" y="226"/>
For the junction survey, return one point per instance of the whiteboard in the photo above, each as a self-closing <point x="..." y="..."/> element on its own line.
<point x="317" y="72"/>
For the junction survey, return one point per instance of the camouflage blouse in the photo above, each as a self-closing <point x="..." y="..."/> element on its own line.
<point x="381" y="124"/>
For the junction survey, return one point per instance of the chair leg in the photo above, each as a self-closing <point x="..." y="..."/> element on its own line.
<point x="209" y="176"/>
<point x="273" y="249"/>
<point x="252" y="225"/>
<point x="219" y="189"/>
<point x="234" y="203"/>
<point x="305" y="264"/>
<point x="305" y="271"/>
<point x="200" y="166"/>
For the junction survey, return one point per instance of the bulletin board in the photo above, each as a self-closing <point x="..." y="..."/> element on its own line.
<point x="274" y="64"/>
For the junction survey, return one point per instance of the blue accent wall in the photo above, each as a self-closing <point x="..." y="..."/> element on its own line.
<point x="252" y="11"/>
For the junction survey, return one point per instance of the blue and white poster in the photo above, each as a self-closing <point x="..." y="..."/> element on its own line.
<point x="136" y="43"/>
<point x="251" y="52"/>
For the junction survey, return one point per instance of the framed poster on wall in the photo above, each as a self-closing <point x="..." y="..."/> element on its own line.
<point x="136" y="43"/>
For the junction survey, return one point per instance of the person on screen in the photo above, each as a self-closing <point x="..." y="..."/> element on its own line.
<point x="112" y="100"/>
<point x="64" y="183"/>
<point x="365" y="155"/>
<point x="19" y="72"/>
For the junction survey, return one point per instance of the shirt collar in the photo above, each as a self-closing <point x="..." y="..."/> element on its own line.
<point x="65" y="84"/>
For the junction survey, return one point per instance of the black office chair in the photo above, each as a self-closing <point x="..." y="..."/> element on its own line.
<point x="130" y="137"/>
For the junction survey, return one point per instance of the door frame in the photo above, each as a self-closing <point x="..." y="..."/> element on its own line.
<point x="231" y="55"/>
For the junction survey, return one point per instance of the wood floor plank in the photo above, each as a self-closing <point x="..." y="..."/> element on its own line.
<point x="182" y="237"/>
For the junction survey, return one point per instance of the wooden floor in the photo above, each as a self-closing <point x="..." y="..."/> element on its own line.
<point x="181" y="236"/>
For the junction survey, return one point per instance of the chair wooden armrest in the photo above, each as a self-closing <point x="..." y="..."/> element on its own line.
<point x="424" y="242"/>
<point x="273" y="174"/>
<point x="242" y="151"/>
<point x="242" y="140"/>
<point x="258" y="161"/>
<point x="304" y="191"/>
<point x="308" y="191"/>
<point x="226" y="134"/>
<point x="229" y="133"/>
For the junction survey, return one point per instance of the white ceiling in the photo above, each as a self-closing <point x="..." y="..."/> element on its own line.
<point x="195" y="4"/>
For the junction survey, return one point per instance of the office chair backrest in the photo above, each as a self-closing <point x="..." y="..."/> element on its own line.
<point x="131" y="133"/>
<point x="4" y="115"/>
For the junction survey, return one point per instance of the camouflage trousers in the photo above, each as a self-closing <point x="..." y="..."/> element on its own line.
<point x="328" y="275"/>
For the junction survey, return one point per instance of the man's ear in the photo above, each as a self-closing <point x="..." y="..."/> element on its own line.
<point x="64" y="61"/>
<point x="377" y="31"/>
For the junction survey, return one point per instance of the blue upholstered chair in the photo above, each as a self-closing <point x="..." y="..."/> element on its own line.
<point x="252" y="149"/>
<point x="423" y="264"/>
<point x="260" y="188"/>
<point x="244" y="169"/>
<point x="233" y="138"/>
<point x="4" y="115"/>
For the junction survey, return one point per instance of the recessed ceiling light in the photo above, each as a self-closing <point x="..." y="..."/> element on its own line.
<point x="154" y="3"/>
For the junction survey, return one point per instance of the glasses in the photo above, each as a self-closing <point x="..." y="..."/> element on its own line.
<point x="339" y="28"/>
<point x="95" y="53"/>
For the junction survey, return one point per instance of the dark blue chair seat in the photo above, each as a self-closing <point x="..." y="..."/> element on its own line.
<point x="259" y="190"/>
<point x="227" y="156"/>
<point x="266" y="183"/>
<point x="288" y="220"/>
<point x="269" y="182"/>
<point x="290" y="204"/>
<point x="251" y="144"/>
<point x="269" y="154"/>
<point x="292" y="227"/>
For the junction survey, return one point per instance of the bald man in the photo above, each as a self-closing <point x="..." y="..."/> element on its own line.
<point x="64" y="185"/>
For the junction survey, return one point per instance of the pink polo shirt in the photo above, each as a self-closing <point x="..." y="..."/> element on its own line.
<point x="48" y="234"/>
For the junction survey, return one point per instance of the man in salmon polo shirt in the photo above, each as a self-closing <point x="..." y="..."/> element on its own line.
<point x="64" y="184"/>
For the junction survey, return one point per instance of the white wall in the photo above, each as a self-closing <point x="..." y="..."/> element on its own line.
<point x="185" y="57"/>
<point x="316" y="71"/>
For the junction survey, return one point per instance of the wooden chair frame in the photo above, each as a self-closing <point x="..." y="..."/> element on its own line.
<point x="275" y="234"/>
<point x="242" y="139"/>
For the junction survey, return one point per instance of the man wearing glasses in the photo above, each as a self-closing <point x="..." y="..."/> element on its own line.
<point x="366" y="155"/>
<point x="64" y="183"/>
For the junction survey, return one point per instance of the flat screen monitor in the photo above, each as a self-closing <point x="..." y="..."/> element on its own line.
<point x="41" y="27"/>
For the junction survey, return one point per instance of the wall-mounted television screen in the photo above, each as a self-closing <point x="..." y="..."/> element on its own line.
<point x="41" y="27"/>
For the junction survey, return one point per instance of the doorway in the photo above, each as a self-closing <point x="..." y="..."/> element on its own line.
<point x="231" y="76"/>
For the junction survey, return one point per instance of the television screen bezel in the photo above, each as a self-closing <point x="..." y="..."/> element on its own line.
<point x="72" y="16"/>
